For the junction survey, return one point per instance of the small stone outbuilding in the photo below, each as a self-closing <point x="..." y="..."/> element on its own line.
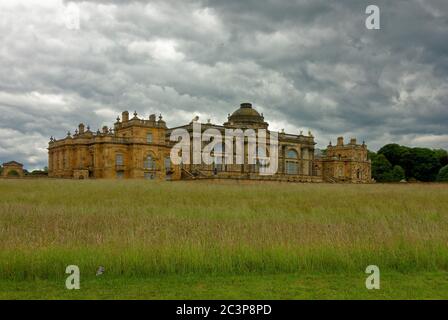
<point x="12" y="169"/>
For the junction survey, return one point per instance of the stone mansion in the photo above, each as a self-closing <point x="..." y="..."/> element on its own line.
<point x="140" y="148"/>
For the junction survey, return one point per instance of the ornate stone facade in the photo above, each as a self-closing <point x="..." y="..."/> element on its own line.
<point x="344" y="163"/>
<point x="138" y="148"/>
<point x="134" y="148"/>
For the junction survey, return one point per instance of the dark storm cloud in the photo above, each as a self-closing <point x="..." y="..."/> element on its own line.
<point x="306" y="64"/>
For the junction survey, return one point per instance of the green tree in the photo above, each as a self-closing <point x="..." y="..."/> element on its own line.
<point x="381" y="168"/>
<point x="38" y="173"/>
<point x="394" y="153"/>
<point x="371" y="155"/>
<point x="443" y="174"/>
<point x="397" y="174"/>
<point x="442" y="155"/>
<point x="423" y="164"/>
<point x="419" y="163"/>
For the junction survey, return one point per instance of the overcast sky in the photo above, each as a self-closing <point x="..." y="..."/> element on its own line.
<point x="306" y="64"/>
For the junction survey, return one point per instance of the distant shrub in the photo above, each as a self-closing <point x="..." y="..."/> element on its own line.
<point x="38" y="173"/>
<point x="397" y="174"/>
<point x="443" y="174"/>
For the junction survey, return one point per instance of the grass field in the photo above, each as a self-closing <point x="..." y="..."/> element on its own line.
<point x="199" y="240"/>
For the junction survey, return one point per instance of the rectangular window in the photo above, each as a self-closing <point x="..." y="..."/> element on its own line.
<point x="167" y="163"/>
<point x="119" y="160"/>
<point x="149" y="137"/>
<point x="291" y="167"/>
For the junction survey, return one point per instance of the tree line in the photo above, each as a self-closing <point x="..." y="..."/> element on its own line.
<point x="393" y="163"/>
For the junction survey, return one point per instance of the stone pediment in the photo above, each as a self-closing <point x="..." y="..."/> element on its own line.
<point x="13" y="163"/>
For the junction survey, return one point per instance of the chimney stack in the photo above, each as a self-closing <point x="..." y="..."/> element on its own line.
<point x="81" y="128"/>
<point x="340" y="141"/>
<point x="105" y="129"/>
<point x="125" y="116"/>
<point x="353" y="141"/>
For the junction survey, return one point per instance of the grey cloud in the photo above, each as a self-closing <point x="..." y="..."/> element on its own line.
<point x="305" y="64"/>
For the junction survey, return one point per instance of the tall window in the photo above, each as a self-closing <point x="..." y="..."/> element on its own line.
<point x="119" y="159"/>
<point x="64" y="161"/>
<point x="149" y="163"/>
<point x="292" y="166"/>
<point x="149" y="137"/>
<point x="218" y="161"/>
<point x="167" y="163"/>
<point x="262" y="157"/>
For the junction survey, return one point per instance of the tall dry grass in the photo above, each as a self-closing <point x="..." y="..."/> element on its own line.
<point x="141" y="228"/>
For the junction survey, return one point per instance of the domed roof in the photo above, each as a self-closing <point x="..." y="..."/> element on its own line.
<point x="246" y="115"/>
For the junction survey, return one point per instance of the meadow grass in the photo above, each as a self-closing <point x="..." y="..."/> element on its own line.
<point x="268" y="286"/>
<point x="140" y="229"/>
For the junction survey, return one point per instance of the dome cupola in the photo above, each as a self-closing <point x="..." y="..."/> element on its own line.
<point x="246" y="117"/>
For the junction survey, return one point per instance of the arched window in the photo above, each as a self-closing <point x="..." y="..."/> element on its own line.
<point x="291" y="154"/>
<point x="119" y="159"/>
<point x="149" y="163"/>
